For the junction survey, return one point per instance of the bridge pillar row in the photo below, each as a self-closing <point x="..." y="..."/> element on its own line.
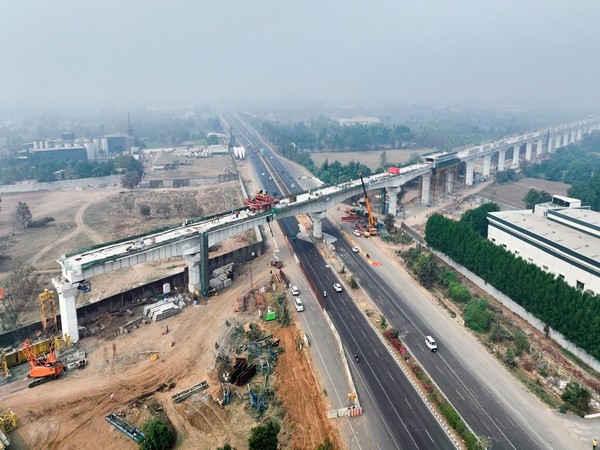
<point x="317" y="219"/>
<point x="550" y="145"/>
<point x="501" y="159"/>
<point x="539" y="150"/>
<point x="528" y="147"/>
<point x="516" y="155"/>
<point x="393" y="193"/>
<point x="469" y="174"/>
<point x="449" y="181"/>
<point x="573" y="135"/>
<point x="425" y="188"/>
<point x="487" y="159"/>
<point x="579" y="134"/>
<point x="566" y="137"/>
<point x="68" y="311"/>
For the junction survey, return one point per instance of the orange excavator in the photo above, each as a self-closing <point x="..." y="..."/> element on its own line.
<point x="43" y="368"/>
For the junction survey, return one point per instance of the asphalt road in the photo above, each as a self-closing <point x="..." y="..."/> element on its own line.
<point x="511" y="417"/>
<point x="484" y="393"/>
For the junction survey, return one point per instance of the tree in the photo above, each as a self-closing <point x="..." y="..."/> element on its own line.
<point x="159" y="436"/>
<point x="383" y="161"/>
<point x="326" y="445"/>
<point x="389" y="222"/>
<point x="22" y="215"/>
<point x="577" y="397"/>
<point x="130" y="180"/>
<point x="477" y="217"/>
<point x="426" y="269"/>
<point x="535" y="197"/>
<point x="478" y="317"/>
<point x="264" y="437"/>
<point x="145" y="210"/>
<point x="226" y="447"/>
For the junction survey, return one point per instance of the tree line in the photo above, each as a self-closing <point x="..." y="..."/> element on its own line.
<point x="13" y="170"/>
<point x="573" y="313"/>
<point x="324" y="134"/>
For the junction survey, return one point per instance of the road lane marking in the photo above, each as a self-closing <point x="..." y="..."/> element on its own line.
<point x="406" y="400"/>
<point x="391" y="376"/>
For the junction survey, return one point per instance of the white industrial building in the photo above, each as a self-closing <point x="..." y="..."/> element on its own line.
<point x="561" y="237"/>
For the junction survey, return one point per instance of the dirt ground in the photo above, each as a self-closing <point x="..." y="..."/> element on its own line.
<point x="89" y="216"/>
<point x="512" y="194"/>
<point x="120" y="376"/>
<point x="68" y="412"/>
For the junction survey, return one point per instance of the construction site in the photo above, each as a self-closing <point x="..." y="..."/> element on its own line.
<point x="213" y="370"/>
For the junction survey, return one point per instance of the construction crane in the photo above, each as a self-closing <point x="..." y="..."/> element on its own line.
<point x="372" y="220"/>
<point x="43" y="369"/>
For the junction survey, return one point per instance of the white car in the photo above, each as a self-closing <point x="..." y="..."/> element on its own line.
<point x="430" y="343"/>
<point x="295" y="290"/>
<point x="356" y="233"/>
<point x="355" y="249"/>
<point x="337" y="287"/>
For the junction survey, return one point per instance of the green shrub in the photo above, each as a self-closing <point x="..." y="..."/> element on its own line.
<point x="478" y="317"/>
<point x="264" y="437"/>
<point x="458" y="292"/>
<point x="159" y="436"/>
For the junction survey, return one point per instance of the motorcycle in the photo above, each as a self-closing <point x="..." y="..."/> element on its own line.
<point x="324" y="293"/>
<point x="356" y="357"/>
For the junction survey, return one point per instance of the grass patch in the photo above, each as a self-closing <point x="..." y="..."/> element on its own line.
<point x="538" y="389"/>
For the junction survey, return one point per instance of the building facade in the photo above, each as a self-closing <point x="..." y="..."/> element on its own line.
<point x="561" y="237"/>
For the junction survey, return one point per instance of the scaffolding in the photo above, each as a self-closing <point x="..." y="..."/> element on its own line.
<point x="48" y="312"/>
<point x="8" y="421"/>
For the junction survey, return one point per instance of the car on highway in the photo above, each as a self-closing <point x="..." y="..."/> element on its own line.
<point x="295" y="290"/>
<point x="298" y="304"/>
<point x="337" y="287"/>
<point x="292" y="185"/>
<point x="355" y="249"/>
<point x="431" y="344"/>
<point x="356" y="233"/>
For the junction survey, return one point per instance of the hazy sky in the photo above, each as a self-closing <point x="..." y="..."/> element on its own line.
<point x="491" y="53"/>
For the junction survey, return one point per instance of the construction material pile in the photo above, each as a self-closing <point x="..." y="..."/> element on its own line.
<point x="164" y="308"/>
<point x="221" y="277"/>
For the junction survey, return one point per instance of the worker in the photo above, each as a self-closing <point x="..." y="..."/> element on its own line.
<point x="594" y="444"/>
<point x="112" y="396"/>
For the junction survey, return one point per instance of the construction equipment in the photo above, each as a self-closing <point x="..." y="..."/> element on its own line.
<point x="48" y="310"/>
<point x="372" y="220"/>
<point x="261" y="202"/>
<point x="44" y="368"/>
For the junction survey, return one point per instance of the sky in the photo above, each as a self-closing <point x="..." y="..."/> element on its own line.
<point x="119" y="53"/>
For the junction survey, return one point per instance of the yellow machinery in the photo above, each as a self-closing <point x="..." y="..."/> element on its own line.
<point x="8" y="421"/>
<point x="372" y="230"/>
<point x="48" y="310"/>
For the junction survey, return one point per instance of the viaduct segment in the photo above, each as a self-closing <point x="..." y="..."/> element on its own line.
<point x="192" y="239"/>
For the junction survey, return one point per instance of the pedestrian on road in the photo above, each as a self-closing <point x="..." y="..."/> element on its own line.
<point x="594" y="443"/>
<point x="112" y="397"/>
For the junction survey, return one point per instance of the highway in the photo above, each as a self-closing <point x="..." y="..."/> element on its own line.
<point x="398" y="408"/>
<point x="485" y="395"/>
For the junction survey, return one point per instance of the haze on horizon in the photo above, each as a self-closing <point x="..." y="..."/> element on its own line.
<point x="120" y="53"/>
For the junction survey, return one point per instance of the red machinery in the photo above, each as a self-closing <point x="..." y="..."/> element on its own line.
<point x="261" y="202"/>
<point x="43" y="368"/>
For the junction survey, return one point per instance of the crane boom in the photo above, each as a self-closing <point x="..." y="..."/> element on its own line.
<point x="372" y="220"/>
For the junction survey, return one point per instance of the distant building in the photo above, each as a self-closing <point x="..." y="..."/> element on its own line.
<point x="87" y="148"/>
<point x="358" y="120"/>
<point x="560" y="236"/>
<point x="164" y="161"/>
